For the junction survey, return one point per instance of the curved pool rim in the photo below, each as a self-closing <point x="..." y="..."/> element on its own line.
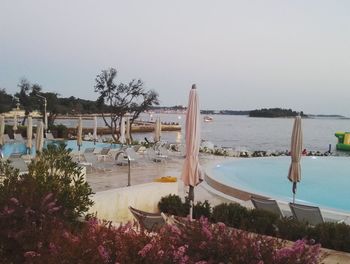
<point x="235" y="193"/>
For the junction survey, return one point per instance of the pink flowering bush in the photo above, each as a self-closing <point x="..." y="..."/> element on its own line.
<point x="194" y="242"/>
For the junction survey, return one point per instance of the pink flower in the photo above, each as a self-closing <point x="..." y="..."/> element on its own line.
<point x="31" y="254"/>
<point x="103" y="253"/>
<point x="54" y="209"/>
<point x="53" y="248"/>
<point x="207" y="233"/>
<point x="46" y="198"/>
<point x="143" y="252"/>
<point x="14" y="201"/>
<point x="8" y="210"/>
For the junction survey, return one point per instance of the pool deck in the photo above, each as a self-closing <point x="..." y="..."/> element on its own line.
<point x="147" y="171"/>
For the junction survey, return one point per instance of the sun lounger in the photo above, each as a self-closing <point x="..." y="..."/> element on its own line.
<point x="18" y="163"/>
<point x="132" y="154"/>
<point x="18" y="137"/>
<point x="7" y="139"/>
<point x="148" y="221"/>
<point x="121" y="158"/>
<point x="156" y="157"/>
<point x="307" y="213"/>
<point x="104" y="153"/>
<point x="92" y="159"/>
<point x="89" y="150"/>
<point x="267" y="205"/>
<point x="49" y="136"/>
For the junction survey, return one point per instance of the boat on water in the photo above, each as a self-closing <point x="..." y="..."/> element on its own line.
<point x="208" y="119"/>
<point x="343" y="141"/>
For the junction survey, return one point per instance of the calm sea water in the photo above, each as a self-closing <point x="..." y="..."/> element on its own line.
<point x="247" y="133"/>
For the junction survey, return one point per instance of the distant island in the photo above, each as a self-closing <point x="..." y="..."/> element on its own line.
<point x="224" y="112"/>
<point x="265" y="112"/>
<point x="275" y="112"/>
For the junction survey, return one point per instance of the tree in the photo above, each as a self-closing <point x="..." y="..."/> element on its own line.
<point x="27" y="97"/>
<point x="120" y="99"/>
<point x="6" y="101"/>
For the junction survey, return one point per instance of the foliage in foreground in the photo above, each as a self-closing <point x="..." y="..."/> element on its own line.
<point x="194" y="242"/>
<point x="52" y="172"/>
<point x="330" y="235"/>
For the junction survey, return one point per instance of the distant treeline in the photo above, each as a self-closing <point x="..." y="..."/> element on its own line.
<point x="224" y="112"/>
<point x="61" y="105"/>
<point x="274" y="112"/>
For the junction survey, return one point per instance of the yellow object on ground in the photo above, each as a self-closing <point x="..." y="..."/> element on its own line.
<point x="166" y="179"/>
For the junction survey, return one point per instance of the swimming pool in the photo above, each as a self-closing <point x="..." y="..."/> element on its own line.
<point x="325" y="181"/>
<point x="17" y="147"/>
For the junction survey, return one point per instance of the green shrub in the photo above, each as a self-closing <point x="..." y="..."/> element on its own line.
<point x="173" y="205"/>
<point x="202" y="210"/>
<point x="291" y="229"/>
<point x="332" y="235"/>
<point x="59" y="131"/>
<point x="261" y="221"/>
<point x="52" y="171"/>
<point x="231" y="214"/>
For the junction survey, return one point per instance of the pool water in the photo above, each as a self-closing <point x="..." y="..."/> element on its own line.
<point x="325" y="181"/>
<point x="17" y="147"/>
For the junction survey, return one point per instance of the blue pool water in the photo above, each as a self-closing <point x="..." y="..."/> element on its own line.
<point x="17" y="147"/>
<point x="325" y="181"/>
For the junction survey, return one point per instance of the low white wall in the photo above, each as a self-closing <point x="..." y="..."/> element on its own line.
<point x="113" y="204"/>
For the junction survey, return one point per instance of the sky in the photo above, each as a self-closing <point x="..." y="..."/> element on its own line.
<point x="242" y="55"/>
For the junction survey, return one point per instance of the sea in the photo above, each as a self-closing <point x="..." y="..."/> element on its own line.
<point x="244" y="133"/>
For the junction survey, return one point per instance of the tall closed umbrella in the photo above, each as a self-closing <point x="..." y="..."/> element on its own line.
<point x="80" y="135"/>
<point x="127" y="132"/>
<point x="15" y="122"/>
<point x="39" y="139"/>
<point x="95" y="130"/>
<point x="191" y="172"/>
<point x="2" y="130"/>
<point x="294" y="174"/>
<point x="157" y="130"/>
<point x="122" y="131"/>
<point x="29" y="134"/>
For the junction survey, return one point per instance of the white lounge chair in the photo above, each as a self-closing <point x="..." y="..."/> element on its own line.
<point x="89" y="150"/>
<point x="49" y="136"/>
<point x="18" y="137"/>
<point x="92" y="159"/>
<point x="7" y="139"/>
<point x="156" y="157"/>
<point x="104" y="153"/>
<point x="267" y="205"/>
<point x="132" y="154"/>
<point x="18" y="163"/>
<point x="121" y="158"/>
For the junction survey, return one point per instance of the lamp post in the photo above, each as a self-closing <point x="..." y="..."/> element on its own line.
<point x="45" y="115"/>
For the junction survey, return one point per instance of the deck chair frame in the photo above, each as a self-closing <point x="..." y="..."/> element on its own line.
<point x="311" y="214"/>
<point x="267" y="205"/>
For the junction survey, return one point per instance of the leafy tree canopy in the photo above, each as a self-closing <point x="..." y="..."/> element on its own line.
<point x="119" y="99"/>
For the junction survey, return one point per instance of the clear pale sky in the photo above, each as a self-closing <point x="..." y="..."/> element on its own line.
<point x="241" y="54"/>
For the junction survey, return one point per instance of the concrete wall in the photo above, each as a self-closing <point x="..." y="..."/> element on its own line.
<point x="113" y="204"/>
